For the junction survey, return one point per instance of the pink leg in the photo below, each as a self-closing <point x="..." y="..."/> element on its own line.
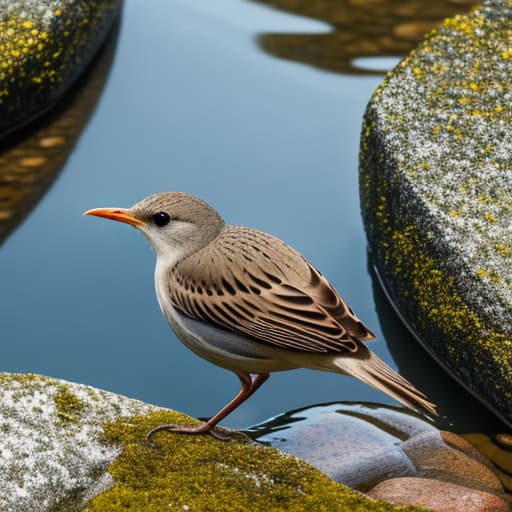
<point x="249" y="386"/>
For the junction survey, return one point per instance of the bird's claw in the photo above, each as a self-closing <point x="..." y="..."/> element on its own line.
<point x="179" y="429"/>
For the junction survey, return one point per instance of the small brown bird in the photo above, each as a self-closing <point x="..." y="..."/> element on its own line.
<point x="246" y="301"/>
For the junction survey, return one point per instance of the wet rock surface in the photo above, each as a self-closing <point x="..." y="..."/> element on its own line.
<point x="499" y="451"/>
<point x="436" y="190"/>
<point x="362" y="455"/>
<point x="391" y="454"/>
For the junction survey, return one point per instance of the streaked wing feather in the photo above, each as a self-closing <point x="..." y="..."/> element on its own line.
<point x="250" y="282"/>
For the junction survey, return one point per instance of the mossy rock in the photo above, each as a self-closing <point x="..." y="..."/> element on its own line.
<point x="44" y="47"/>
<point x="67" y="447"/>
<point x="436" y="194"/>
<point x="204" y="474"/>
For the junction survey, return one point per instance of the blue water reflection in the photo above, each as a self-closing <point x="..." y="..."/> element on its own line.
<point x="192" y="104"/>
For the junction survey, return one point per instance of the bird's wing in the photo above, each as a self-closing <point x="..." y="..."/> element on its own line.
<point x="249" y="282"/>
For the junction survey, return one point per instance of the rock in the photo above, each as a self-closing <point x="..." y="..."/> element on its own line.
<point x="356" y="445"/>
<point x="39" y="65"/>
<point x="436" y="193"/>
<point x="433" y="458"/>
<point x="368" y="447"/>
<point x="51" y="449"/>
<point x="436" y="495"/>
<point x="67" y="447"/>
<point x="44" y="47"/>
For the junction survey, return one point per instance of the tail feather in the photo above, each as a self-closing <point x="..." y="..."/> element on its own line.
<point x="375" y="372"/>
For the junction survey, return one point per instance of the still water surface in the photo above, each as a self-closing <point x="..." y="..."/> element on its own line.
<point x="193" y="104"/>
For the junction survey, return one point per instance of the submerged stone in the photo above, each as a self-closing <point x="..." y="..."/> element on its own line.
<point x="436" y="192"/>
<point x="439" y="496"/>
<point x="354" y="444"/>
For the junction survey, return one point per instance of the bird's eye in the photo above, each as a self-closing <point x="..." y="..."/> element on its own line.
<point x="161" y="219"/>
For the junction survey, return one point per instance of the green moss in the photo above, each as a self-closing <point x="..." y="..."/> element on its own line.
<point x="200" y="473"/>
<point x="68" y="405"/>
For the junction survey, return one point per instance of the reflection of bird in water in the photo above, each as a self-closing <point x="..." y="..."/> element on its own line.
<point x="248" y="302"/>
<point x="360" y="28"/>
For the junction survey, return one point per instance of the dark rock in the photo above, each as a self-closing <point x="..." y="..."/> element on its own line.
<point x="44" y="47"/>
<point x="31" y="159"/>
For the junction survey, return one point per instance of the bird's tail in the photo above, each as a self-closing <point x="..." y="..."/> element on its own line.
<point x="366" y="366"/>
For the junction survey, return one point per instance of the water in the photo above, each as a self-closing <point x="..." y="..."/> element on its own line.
<point x="193" y="104"/>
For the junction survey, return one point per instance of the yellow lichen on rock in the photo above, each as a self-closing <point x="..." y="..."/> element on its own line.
<point x="68" y="406"/>
<point x="43" y="50"/>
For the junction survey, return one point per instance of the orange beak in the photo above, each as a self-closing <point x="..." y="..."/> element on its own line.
<point x="119" y="214"/>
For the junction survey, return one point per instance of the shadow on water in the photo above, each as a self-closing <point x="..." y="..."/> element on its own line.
<point x="31" y="159"/>
<point x="358" y="29"/>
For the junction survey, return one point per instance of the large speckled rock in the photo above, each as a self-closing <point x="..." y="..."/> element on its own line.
<point x="44" y="47"/>
<point x="436" y="189"/>
<point x="67" y="447"/>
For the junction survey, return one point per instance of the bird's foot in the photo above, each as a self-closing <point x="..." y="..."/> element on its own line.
<point x="200" y="430"/>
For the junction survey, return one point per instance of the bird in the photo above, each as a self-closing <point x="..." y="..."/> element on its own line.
<point x="248" y="302"/>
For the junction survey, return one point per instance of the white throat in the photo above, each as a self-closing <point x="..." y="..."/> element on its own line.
<point x="164" y="263"/>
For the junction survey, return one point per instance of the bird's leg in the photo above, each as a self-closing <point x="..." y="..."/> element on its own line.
<point x="249" y="386"/>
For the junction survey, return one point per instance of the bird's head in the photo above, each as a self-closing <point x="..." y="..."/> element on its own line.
<point x="175" y="224"/>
